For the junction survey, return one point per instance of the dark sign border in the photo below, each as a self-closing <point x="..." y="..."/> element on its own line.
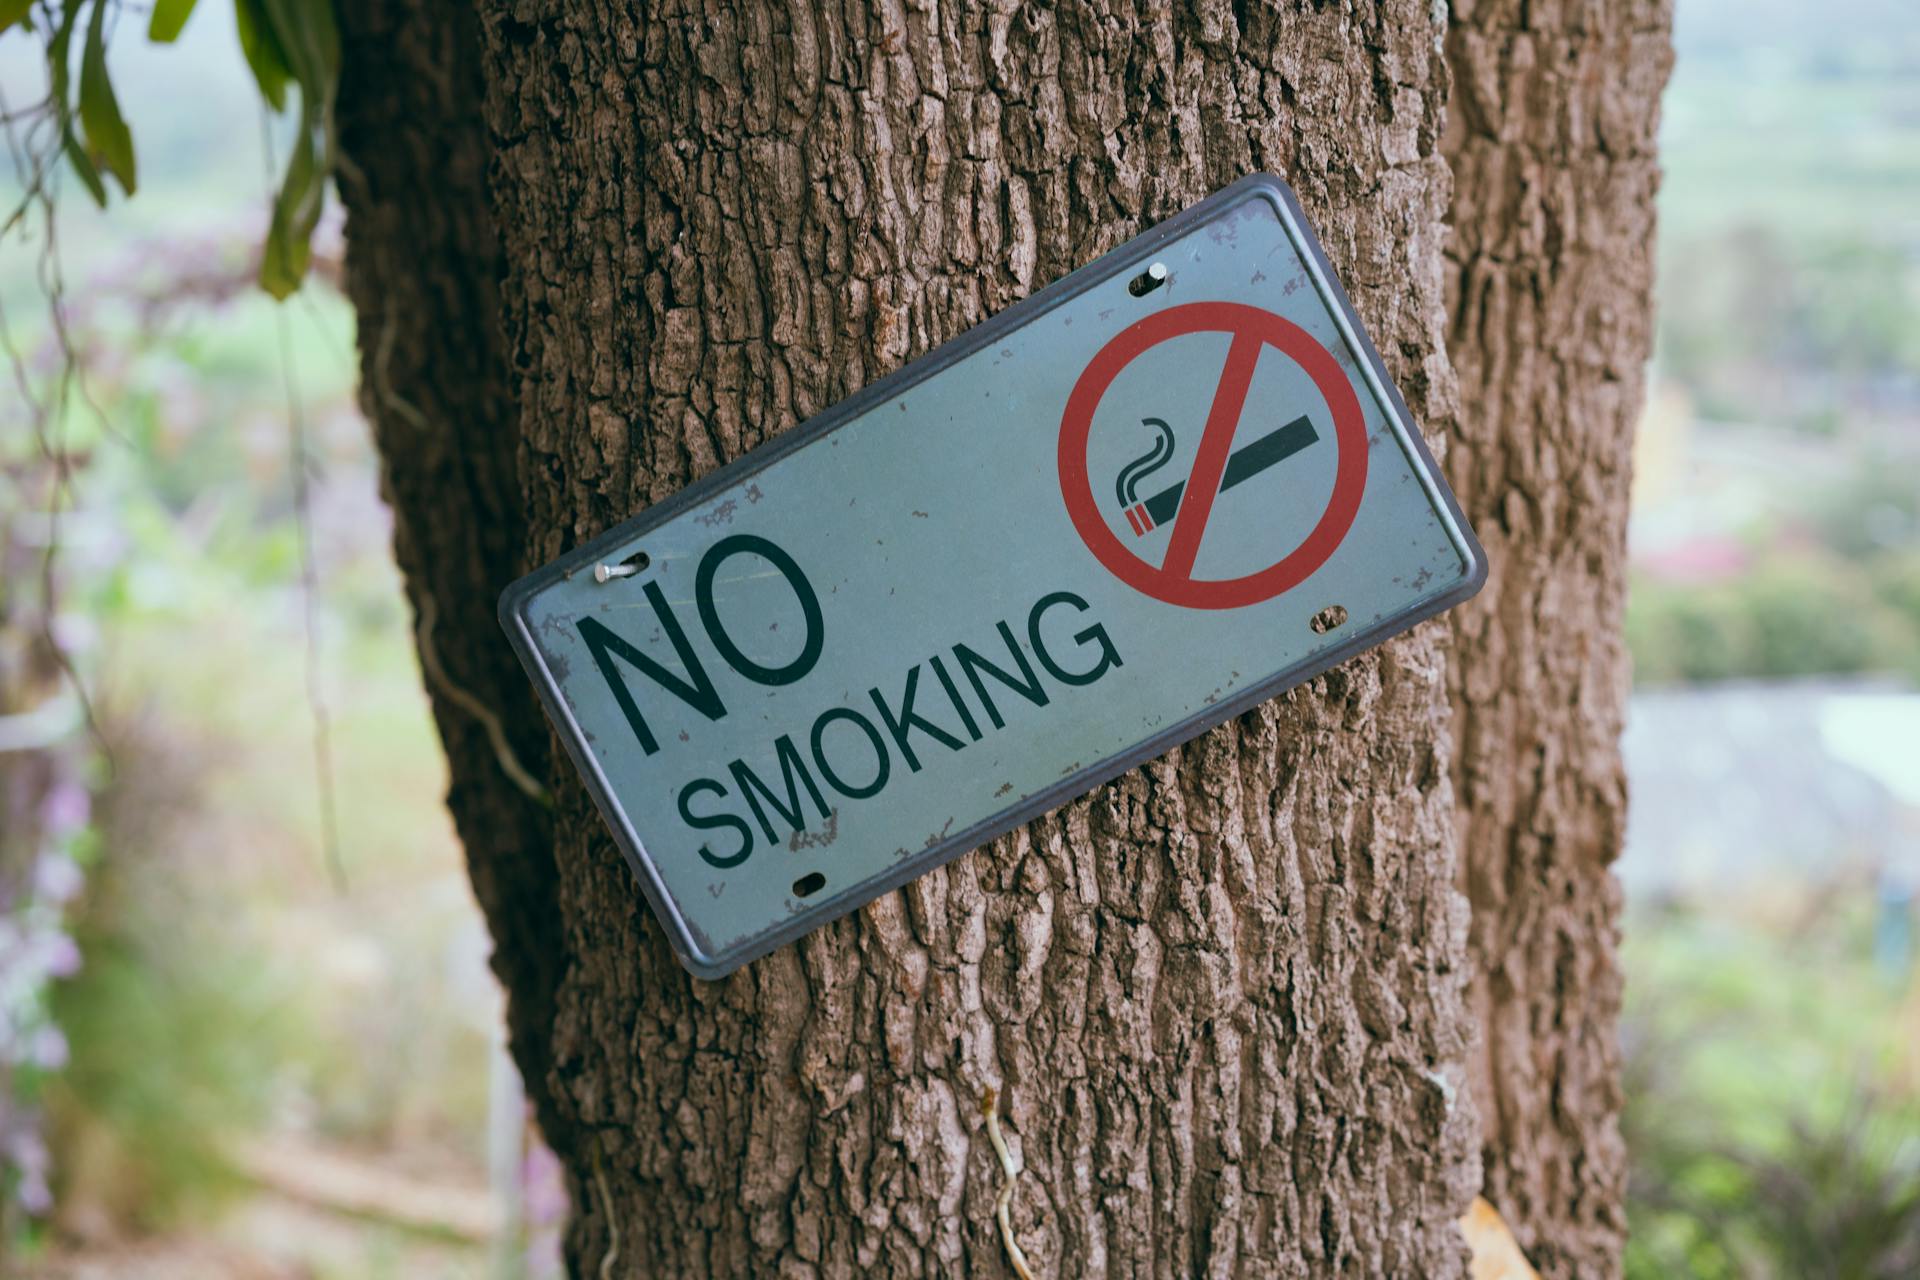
<point x="1127" y="260"/>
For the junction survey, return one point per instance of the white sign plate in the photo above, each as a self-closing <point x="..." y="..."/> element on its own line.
<point x="1142" y="501"/>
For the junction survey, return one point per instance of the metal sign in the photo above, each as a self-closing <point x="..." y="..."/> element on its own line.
<point x="1142" y="501"/>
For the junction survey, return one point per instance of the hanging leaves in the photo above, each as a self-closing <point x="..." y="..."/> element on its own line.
<point x="83" y="169"/>
<point x="109" y="141"/>
<point x="289" y="247"/>
<point x="59" y="77"/>
<point x="168" y="17"/>
<point x="263" y="53"/>
<point x="296" y="40"/>
<point x="286" y="43"/>
<point x="306" y="30"/>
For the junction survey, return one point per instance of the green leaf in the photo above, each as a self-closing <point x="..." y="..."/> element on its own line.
<point x="89" y="176"/>
<point x="59" y="77"/>
<point x="296" y="212"/>
<point x="311" y="40"/>
<point x="263" y="52"/>
<point x="305" y="39"/>
<point x="168" y="17"/>
<point x="109" y="142"/>
<point x="57" y="68"/>
<point x="283" y="264"/>
<point x="12" y="11"/>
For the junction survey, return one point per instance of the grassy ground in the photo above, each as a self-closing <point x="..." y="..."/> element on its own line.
<point x="1773" y="1090"/>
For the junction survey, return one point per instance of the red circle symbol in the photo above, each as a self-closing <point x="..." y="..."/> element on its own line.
<point x="1252" y="330"/>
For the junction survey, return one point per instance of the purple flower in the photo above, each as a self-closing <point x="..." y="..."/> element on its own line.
<point x="59" y="955"/>
<point x="57" y="878"/>
<point x="49" y="1049"/>
<point x="543" y="1187"/>
<point x="24" y="1148"/>
<point x="34" y="1194"/>
<point x="66" y="809"/>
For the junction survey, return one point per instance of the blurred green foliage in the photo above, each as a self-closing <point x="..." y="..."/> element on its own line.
<point x="1831" y="590"/>
<point x="1772" y="1070"/>
<point x="1874" y="515"/>
<point x="1789" y="301"/>
<point x="1771" y="1108"/>
<point x="1790" y="115"/>
<point x="1798" y="615"/>
<point x="283" y="42"/>
<point x="1741" y="310"/>
<point x="1789" y="231"/>
<point x="175" y="1045"/>
<point x="1897" y="583"/>
<point x="229" y="995"/>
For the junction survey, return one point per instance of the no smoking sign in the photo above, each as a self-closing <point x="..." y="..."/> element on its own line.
<point x="1216" y="464"/>
<point x="1069" y="540"/>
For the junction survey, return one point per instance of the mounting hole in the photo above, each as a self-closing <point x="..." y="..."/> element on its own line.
<point x="809" y="884"/>
<point x="1331" y="618"/>
<point x="1147" y="281"/>
<point x="638" y="561"/>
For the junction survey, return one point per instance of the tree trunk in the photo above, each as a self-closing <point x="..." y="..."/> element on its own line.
<point x="1221" y="999"/>
<point x="1551" y="137"/>
<point x="422" y="270"/>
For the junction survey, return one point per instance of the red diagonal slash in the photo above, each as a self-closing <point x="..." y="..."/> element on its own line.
<point x="1172" y="581"/>
<point x="1210" y="460"/>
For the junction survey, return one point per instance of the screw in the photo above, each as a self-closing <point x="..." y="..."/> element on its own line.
<point x="1149" y="280"/>
<point x="604" y="572"/>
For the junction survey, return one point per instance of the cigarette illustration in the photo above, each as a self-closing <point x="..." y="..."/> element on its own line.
<point x="1243" y="464"/>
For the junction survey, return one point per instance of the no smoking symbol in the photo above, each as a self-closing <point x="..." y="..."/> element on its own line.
<point x="1252" y="330"/>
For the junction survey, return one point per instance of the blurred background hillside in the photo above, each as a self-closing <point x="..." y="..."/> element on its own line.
<point x="342" y="1106"/>
<point x="1773" y="749"/>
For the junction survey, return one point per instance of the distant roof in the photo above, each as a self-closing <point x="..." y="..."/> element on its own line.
<point x="1742" y="783"/>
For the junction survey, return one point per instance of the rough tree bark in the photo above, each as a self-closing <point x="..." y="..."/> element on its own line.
<point x="1222" y="998"/>
<point x="1551" y="137"/>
